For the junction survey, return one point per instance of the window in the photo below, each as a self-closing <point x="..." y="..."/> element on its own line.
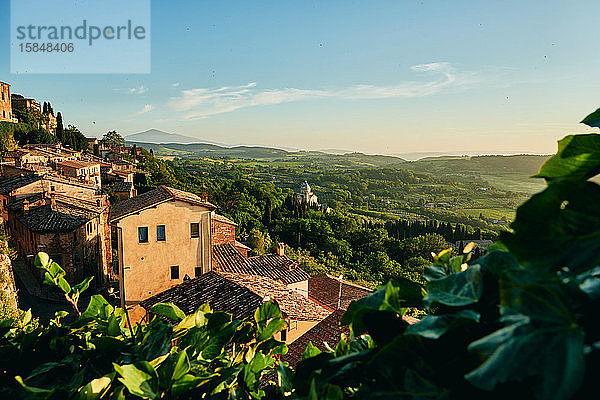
<point x="160" y="233"/>
<point x="195" y="229"/>
<point x="143" y="234"/>
<point x="175" y="272"/>
<point x="284" y="335"/>
<point x="197" y="271"/>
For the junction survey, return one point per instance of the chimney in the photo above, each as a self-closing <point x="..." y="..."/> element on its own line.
<point x="281" y="249"/>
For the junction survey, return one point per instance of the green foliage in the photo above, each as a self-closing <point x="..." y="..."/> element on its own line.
<point x="113" y="139"/>
<point x="7" y="138"/>
<point x="518" y="322"/>
<point x="99" y="356"/>
<point x="73" y="138"/>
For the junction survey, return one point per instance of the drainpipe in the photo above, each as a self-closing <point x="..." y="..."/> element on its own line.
<point x="339" y="305"/>
<point x="121" y="266"/>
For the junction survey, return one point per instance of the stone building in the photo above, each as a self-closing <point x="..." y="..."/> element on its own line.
<point x="51" y="124"/>
<point x="161" y="237"/>
<point x="87" y="172"/>
<point x="124" y="190"/>
<point x="335" y="292"/>
<point x="6" y="113"/>
<point x="240" y="295"/>
<point x="17" y="187"/>
<point x="307" y="196"/>
<point x="223" y="232"/>
<point x="19" y="102"/>
<point x="73" y="232"/>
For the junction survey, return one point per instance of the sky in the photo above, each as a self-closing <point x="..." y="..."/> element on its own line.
<point x="386" y="77"/>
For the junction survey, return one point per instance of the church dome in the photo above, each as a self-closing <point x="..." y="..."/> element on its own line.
<point x="305" y="187"/>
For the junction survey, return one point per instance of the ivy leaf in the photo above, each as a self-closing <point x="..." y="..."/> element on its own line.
<point x="41" y="260"/>
<point x="434" y="272"/>
<point x="265" y="312"/>
<point x="593" y="119"/>
<point x="285" y="378"/>
<point x="331" y="392"/>
<point x="310" y="351"/>
<point x="558" y="227"/>
<point x="578" y="157"/>
<point x="524" y="292"/>
<point x="589" y="283"/>
<point x="96" y="388"/>
<point x="274" y="326"/>
<point x="173" y="368"/>
<point x="433" y="327"/>
<point x="83" y="286"/>
<point x="522" y="350"/>
<point x="168" y="310"/>
<point x="394" y="296"/>
<point x="98" y="308"/>
<point x="456" y="290"/>
<point x="253" y="370"/>
<point x="185" y="384"/>
<point x="64" y="285"/>
<point x="140" y="379"/>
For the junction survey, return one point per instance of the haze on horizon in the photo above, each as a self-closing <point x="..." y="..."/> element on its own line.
<point x="386" y="77"/>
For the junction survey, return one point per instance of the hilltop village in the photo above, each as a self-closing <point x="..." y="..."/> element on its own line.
<point x="159" y="245"/>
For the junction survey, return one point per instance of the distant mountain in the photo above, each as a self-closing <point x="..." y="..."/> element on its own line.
<point x="156" y="136"/>
<point x="266" y="154"/>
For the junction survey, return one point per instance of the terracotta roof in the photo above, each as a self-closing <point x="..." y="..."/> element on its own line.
<point x="292" y="303"/>
<point x="280" y="268"/>
<point x="228" y="258"/>
<point x="7" y="185"/>
<point x="14" y="153"/>
<point x="241" y="245"/>
<point x="77" y="164"/>
<point x="225" y="220"/>
<point x="277" y="267"/>
<point x="122" y="186"/>
<point x="151" y="198"/>
<point x="71" y="181"/>
<point x="328" y="330"/>
<point x="65" y="215"/>
<point x="222" y="294"/>
<point x="326" y="290"/>
<point x="31" y="199"/>
<point x="46" y="218"/>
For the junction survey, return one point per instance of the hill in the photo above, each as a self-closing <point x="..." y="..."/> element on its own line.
<point x="268" y="154"/>
<point x="504" y="172"/>
<point x="157" y="136"/>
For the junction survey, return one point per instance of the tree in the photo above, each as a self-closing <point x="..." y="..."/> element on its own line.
<point x="259" y="241"/>
<point x="112" y="139"/>
<point x="74" y="139"/>
<point x="59" y="126"/>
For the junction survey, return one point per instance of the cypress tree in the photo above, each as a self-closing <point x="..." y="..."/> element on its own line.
<point x="59" y="127"/>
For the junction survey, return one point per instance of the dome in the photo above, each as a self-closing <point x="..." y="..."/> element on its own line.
<point x="305" y="187"/>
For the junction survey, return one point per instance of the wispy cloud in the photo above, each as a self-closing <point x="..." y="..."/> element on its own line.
<point x="202" y="103"/>
<point x="176" y="84"/>
<point x="147" y="108"/>
<point x="139" y="90"/>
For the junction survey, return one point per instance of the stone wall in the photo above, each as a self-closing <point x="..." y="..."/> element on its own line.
<point x="8" y="290"/>
<point x="5" y="103"/>
<point x="222" y="232"/>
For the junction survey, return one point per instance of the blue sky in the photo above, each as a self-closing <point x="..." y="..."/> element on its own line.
<point x="382" y="76"/>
